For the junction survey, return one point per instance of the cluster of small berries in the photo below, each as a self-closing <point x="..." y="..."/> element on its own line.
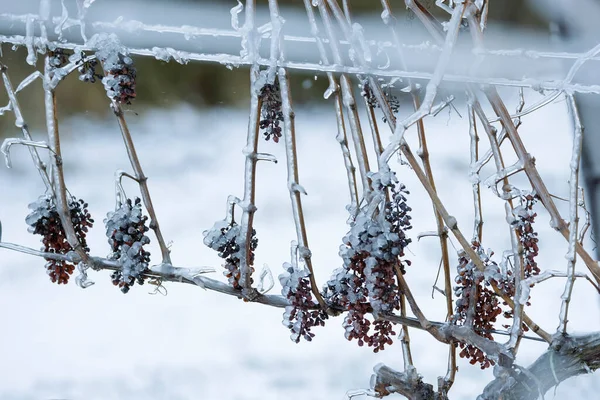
<point x="271" y="113"/>
<point x="119" y="81"/>
<point x="87" y="69"/>
<point x="44" y="220"/>
<point x="525" y="217"/>
<point x="224" y="238"/>
<point x="476" y="304"/>
<point x="397" y="215"/>
<point x="125" y="229"/>
<point x="303" y="313"/>
<point x="372" y="253"/>
<point x="391" y="99"/>
<point x="57" y="58"/>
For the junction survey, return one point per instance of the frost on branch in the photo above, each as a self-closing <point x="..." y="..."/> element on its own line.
<point x="303" y="313"/>
<point x="224" y="237"/>
<point x="271" y="113"/>
<point x="125" y="229"/>
<point x="44" y="220"/>
<point x="373" y="254"/>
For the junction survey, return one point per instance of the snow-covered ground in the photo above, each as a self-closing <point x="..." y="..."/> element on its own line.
<point x="62" y="342"/>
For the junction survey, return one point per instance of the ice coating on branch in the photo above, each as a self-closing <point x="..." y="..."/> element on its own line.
<point x="125" y="229"/>
<point x="168" y="53"/>
<point x="235" y="12"/>
<point x="62" y="25"/>
<point x="31" y="54"/>
<point x="358" y="33"/>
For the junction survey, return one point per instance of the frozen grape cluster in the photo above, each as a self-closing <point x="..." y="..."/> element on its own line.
<point x="120" y="73"/>
<point x="271" y="113"/>
<point x="391" y="99"/>
<point x="57" y="58"/>
<point x="86" y="67"/>
<point x="223" y="237"/>
<point x="303" y="313"/>
<point x="524" y="219"/>
<point x="477" y="305"/>
<point x="126" y="231"/>
<point x="44" y="220"/>
<point x="373" y="255"/>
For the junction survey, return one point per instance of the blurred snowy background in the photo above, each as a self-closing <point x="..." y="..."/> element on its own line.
<point x="62" y="342"/>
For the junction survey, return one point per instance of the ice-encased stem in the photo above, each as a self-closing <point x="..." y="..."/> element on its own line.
<point x="20" y="123"/>
<point x="60" y="189"/>
<point x="349" y="102"/>
<point x="516" y="328"/>
<point x="142" y="181"/>
<point x="341" y="136"/>
<point x="571" y="255"/>
<point x="293" y="183"/>
<point x="250" y="151"/>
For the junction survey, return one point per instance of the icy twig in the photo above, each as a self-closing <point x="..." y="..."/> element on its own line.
<point x="29" y="80"/>
<point x="428" y="20"/>
<point x="20" y="123"/>
<point x="276" y="52"/>
<point x="507" y="194"/>
<point x="341" y="136"/>
<point x="349" y="102"/>
<point x="538" y="184"/>
<point x="582" y="59"/>
<point x="573" y="213"/>
<point x="443" y="239"/>
<point x="452" y="224"/>
<point x="60" y="189"/>
<point x="475" y="183"/>
<point x="289" y="135"/>
<point x="529" y="163"/>
<point x="7" y="143"/>
<point x="534" y="107"/>
<point x="251" y="149"/>
<point x="389" y="19"/>
<point x="527" y="284"/>
<point x="426" y="106"/>
<point x="588" y="218"/>
<point x="141" y="179"/>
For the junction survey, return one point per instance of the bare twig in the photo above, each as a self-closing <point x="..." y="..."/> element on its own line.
<point x="293" y="181"/>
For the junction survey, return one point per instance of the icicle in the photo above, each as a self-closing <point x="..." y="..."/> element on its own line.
<point x="235" y="11"/>
<point x="31" y="55"/>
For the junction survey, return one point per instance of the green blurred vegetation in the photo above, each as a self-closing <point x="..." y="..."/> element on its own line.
<point x="161" y="84"/>
<point x="158" y="84"/>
